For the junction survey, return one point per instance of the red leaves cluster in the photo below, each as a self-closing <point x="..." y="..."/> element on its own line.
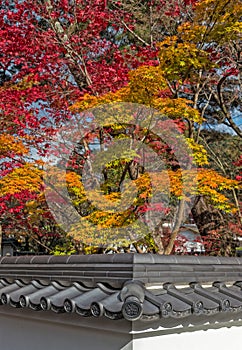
<point x="238" y="164"/>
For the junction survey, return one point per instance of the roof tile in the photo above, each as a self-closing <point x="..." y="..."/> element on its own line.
<point x="116" y="286"/>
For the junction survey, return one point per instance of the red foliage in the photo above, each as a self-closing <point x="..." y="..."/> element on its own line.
<point x="238" y="164"/>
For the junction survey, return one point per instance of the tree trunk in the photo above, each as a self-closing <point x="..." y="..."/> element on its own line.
<point x="175" y="230"/>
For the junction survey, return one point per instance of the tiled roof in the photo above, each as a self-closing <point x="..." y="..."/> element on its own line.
<point x="130" y="286"/>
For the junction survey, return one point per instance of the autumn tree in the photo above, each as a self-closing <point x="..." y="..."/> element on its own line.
<point x="52" y="52"/>
<point x="55" y="53"/>
<point x="183" y="87"/>
<point x="23" y="210"/>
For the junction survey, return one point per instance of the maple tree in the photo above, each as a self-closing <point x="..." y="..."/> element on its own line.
<point x="51" y="53"/>
<point x="186" y="67"/>
<point x="209" y="182"/>
<point x="23" y="209"/>
<point x="180" y="58"/>
<point x="215" y="90"/>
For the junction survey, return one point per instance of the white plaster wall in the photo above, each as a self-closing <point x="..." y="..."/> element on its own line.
<point x="222" y="339"/>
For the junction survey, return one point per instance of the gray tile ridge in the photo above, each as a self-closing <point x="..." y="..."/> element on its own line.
<point x="122" y="258"/>
<point x="185" y="259"/>
<point x="117" y="268"/>
<point x="69" y="259"/>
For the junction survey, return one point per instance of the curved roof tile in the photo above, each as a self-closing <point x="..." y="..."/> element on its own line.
<point x="145" y="287"/>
